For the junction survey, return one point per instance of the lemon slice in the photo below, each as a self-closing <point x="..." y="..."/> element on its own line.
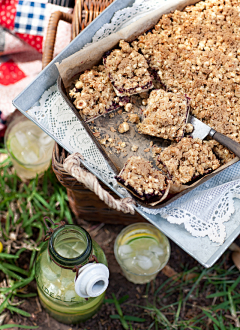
<point x="143" y="243"/>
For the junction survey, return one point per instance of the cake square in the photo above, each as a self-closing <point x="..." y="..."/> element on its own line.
<point x="187" y="160"/>
<point x="128" y="70"/>
<point x="166" y="115"/>
<point x="145" y="182"/>
<point x="93" y="94"/>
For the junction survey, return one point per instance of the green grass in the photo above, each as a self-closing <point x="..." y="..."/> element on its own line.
<point x="213" y="297"/>
<point x="211" y="300"/>
<point x="22" y="208"/>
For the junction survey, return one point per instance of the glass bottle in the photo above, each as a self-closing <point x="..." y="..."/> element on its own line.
<point x="68" y="297"/>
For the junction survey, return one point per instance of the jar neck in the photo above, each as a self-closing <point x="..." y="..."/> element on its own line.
<point x="70" y="246"/>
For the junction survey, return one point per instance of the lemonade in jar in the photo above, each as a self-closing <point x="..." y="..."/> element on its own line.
<point x="71" y="275"/>
<point x="29" y="147"/>
<point x="142" y="251"/>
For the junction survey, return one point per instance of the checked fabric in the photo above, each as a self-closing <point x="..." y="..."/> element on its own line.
<point x="23" y="27"/>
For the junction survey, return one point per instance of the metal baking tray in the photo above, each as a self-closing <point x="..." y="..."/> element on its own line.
<point x="116" y="161"/>
<point x="202" y="249"/>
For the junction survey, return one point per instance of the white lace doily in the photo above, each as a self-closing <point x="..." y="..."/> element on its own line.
<point x="203" y="211"/>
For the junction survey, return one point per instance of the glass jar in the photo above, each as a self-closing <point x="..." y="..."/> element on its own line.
<point x="142" y="251"/>
<point x="67" y="298"/>
<point x="29" y="147"/>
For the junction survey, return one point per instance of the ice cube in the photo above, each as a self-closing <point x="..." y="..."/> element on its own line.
<point x="69" y="295"/>
<point x="21" y="138"/>
<point x="49" y="274"/>
<point x="66" y="281"/>
<point x="144" y="262"/>
<point x="29" y="157"/>
<point x="157" y="250"/>
<point x="124" y="251"/>
<point x="129" y="264"/>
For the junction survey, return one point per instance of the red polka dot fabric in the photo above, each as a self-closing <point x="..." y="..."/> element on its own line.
<point x="10" y="73"/>
<point x="34" y="41"/>
<point x="26" y="19"/>
<point x="7" y="13"/>
<point x="21" y="46"/>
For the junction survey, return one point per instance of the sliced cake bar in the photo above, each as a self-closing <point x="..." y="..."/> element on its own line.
<point x="187" y="160"/>
<point x="128" y="70"/>
<point x="145" y="182"/>
<point x="94" y="95"/>
<point x="166" y="115"/>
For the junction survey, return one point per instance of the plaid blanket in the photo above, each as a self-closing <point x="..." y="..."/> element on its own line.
<point x="23" y="26"/>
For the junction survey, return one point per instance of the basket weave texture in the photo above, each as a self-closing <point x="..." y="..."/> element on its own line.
<point x="83" y="202"/>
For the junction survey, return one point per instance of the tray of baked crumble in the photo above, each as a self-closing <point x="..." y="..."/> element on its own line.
<point x="200" y="247"/>
<point x="135" y="92"/>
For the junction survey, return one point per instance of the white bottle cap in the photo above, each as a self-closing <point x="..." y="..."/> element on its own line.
<point x="92" y="280"/>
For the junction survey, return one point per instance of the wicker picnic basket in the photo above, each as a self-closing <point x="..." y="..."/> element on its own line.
<point x="83" y="202"/>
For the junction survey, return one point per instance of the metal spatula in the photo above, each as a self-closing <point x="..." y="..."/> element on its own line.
<point x="201" y="130"/>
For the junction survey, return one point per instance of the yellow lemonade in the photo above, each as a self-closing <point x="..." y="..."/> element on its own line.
<point x="29" y="148"/>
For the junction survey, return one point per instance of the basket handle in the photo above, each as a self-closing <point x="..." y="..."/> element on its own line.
<point x="72" y="166"/>
<point x="51" y="35"/>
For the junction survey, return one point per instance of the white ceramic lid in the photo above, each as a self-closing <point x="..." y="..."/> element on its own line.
<point x="92" y="280"/>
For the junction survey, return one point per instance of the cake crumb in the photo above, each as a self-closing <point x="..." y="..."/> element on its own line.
<point x="147" y="149"/>
<point x="133" y="118"/>
<point x="156" y="151"/>
<point x="128" y="107"/>
<point x="134" y="148"/>
<point x="188" y="128"/>
<point x="112" y="129"/>
<point x="124" y="127"/>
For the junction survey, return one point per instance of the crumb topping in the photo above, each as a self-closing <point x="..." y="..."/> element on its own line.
<point x="187" y="159"/>
<point x="128" y="70"/>
<point x="165" y="115"/>
<point x="222" y="153"/>
<point x="196" y="52"/>
<point x="139" y="174"/>
<point x="93" y="93"/>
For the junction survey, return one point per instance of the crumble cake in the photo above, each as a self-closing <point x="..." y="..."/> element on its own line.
<point x="187" y="160"/>
<point x="94" y="95"/>
<point x="166" y="115"/>
<point x="145" y="182"/>
<point x="197" y="52"/>
<point x="128" y="70"/>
